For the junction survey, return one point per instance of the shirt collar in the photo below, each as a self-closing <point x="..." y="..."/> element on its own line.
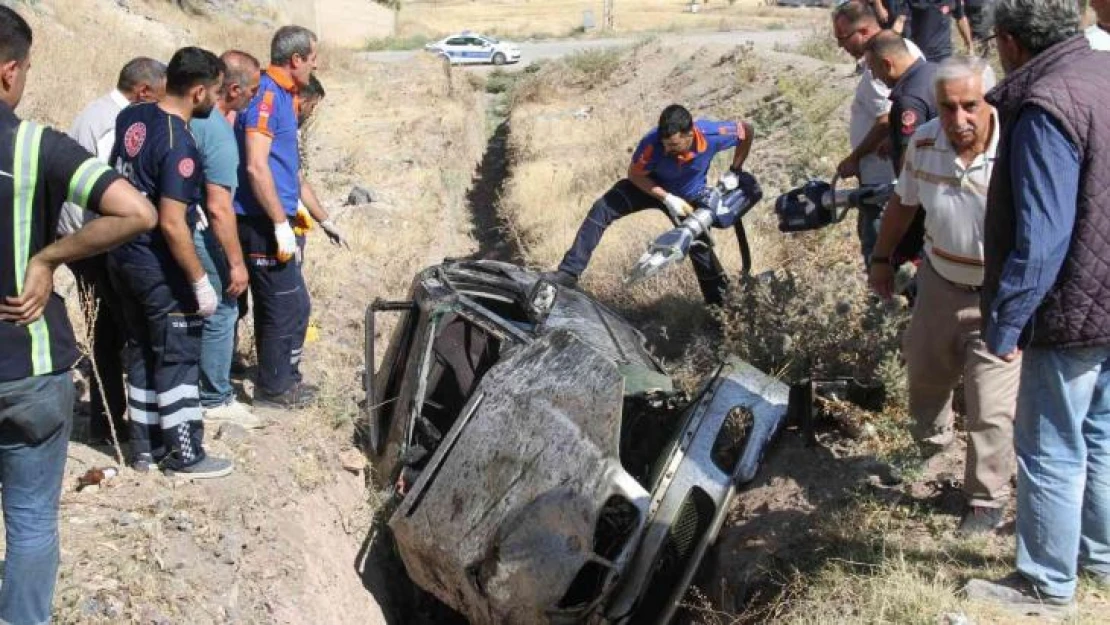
<point x="282" y="78"/>
<point x="700" y="145"/>
<point x="1099" y="38"/>
<point x="120" y="99"/>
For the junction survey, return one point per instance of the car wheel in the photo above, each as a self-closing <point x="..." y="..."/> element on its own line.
<point x="499" y="58"/>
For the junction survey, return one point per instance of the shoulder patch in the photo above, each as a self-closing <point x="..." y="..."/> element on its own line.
<point x="134" y="138"/>
<point x="265" y="109"/>
<point x="186" y="167"/>
<point x="909" y="122"/>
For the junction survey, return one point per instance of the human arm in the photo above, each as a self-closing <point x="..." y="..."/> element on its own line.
<point x="319" y="213"/>
<point x="261" y="180"/>
<point x="746" y="133"/>
<point x="1045" y="184"/>
<point x="639" y="174"/>
<point x="879" y="133"/>
<point x="907" y="113"/>
<point x="221" y="218"/>
<point x="881" y="11"/>
<point x="897" y="218"/>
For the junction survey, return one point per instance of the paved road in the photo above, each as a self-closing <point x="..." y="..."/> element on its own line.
<point x="561" y="47"/>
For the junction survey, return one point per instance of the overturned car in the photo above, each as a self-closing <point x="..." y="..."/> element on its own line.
<point x="547" y="469"/>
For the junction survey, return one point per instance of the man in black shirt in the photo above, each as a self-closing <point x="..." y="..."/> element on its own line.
<point x="39" y="169"/>
<point x="165" y="291"/>
<point x="912" y="92"/>
<point x="932" y="26"/>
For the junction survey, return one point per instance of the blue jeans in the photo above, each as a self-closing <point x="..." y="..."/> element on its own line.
<point x="218" y="340"/>
<point x="1062" y="436"/>
<point x="35" y="421"/>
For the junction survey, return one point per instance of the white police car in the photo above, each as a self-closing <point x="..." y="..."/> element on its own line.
<point x="468" y="47"/>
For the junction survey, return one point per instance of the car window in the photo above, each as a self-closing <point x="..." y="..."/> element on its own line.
<point x="474" y="41"/>
<point x="456" y="41"/>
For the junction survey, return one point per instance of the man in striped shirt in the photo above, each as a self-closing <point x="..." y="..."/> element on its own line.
<point x="946" y="173"/>
<point x="39" y="169"/>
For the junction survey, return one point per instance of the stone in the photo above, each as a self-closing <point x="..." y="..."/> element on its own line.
<point x="230" y="548"/>
<point x="231" y="433"/>
<point x="361" y="195"/>
<point x="352" y="460"/>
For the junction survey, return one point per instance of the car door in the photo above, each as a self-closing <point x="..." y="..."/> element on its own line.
<point x="455" y="48"/>
<point x="478" y="50"/>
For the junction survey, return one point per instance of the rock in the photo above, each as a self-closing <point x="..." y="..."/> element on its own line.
<point x="89" y="490"/>
<point x="230" y="548"/>
<point x="352" y="460"/>
<point x="955" y="618"/>
<point x="361" y="195"/>
<point x="231" y="433"/>
<point x="182" y="521"/>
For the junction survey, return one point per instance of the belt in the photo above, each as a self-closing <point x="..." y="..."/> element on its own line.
<point x="970" y="288"/>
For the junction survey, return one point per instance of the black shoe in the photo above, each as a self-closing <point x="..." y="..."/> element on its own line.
<point x="560" y="277"/>
<point x="979" y="520"/>
<point x="297" y="397"/>
<point x="142" y="462"/>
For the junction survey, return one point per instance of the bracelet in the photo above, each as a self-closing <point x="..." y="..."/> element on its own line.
<point x="880" y="260"/>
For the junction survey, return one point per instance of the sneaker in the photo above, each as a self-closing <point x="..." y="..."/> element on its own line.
<point x="142" y="462"/>
<point x="297" y="397"/>
<point x="209" y="467"/>
<point x="235" y="413"/>
<point x="1016" y="593"/>
<point x="980" y="520"/>
<point x="560" y="277"/>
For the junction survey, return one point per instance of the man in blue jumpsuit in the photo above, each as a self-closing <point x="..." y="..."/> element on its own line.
<point x="165" y="291"/>
<point x="669" y="170"/>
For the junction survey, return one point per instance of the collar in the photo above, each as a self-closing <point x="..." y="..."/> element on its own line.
<point x="119" y="99"/>
<point x="700" y="145"/>
<point x="1099" y="38"/>
<point x="282" y="78"/>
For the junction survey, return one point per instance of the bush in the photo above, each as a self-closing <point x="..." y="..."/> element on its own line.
<point x="410" y="42"/>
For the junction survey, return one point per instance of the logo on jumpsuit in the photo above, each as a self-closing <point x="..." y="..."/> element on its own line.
<point x="909" y="121"/>
<point x="134" y="138"/>
<point x="186" y="167"/>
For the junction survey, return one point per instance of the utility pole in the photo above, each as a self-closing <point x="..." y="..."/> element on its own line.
<point x="607" y="15"/>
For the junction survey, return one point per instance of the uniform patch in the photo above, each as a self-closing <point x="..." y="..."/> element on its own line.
<point x="134" y="138"/>
<point x="909" y="122"/>
<point x="186" y="167"/>
<point x="944" y="9"/>
<point x="926" y="143"/>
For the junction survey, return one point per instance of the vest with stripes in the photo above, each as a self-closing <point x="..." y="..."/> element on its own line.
<point x="39" y="170"/>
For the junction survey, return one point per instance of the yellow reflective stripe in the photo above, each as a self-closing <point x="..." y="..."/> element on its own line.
<point x="83" y="180"/>
<point x="25" y="174"/>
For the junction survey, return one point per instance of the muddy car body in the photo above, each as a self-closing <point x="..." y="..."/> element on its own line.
<point x="552" y="473"/>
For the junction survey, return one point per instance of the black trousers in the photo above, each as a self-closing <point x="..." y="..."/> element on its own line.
<point x="96" y="289"/>
<point x="625" y="198"/>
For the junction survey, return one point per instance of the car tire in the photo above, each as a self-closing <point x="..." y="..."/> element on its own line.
<point x="499" y="58"/>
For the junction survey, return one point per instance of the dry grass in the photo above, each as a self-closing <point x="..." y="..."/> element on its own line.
<point x="548" y="18"/>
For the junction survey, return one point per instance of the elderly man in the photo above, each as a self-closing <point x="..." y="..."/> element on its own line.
<point x="947" y="170"/>
<point x="270" y="185"/>
<point x="1045" y="286"/>
<point x="854" y="25"/>
<point x="217" y="245"/>
<point x="141" y="80"/>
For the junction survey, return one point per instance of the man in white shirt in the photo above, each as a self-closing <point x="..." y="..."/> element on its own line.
<point x="854" y="25"/>
<point x="946" y="173"/>
<point x="141" y="80"/>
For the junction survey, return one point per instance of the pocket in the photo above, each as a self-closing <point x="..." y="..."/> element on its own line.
<point x="182" y="338"/>
<point x="40" y="405"/>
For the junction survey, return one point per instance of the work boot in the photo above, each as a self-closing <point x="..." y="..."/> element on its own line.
<point x="208" y="468"/>
<point x="979" y="520"/>
<point x="1016" y="593"/>
<point x="298" y="396"/>
<point x="142" y="463"/>
<point x="560" y="277"/>
<point x="235" y="413"/>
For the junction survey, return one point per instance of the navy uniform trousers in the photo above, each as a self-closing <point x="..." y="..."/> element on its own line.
<point x="281" y="305"/>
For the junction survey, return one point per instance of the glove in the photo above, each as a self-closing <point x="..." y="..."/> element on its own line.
<point x="728" y="180"/>
<point x="286" y="242"/>
<point x="333" y="233"/>
<point x="207" y="300"/>
<point x="302" y="222"/>
<point x="676" y="206"/>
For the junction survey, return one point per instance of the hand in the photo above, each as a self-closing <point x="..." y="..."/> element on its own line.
<point x="677" y="207"/>
<point x="207" y="300"/>
<point x="1012" y="356"/>
<point x="729" y="180"/>
<point x="848" y="168"/>
<point x="286" y="241"/>
<point x="38" y="284"/>
<point x="237" y="279"/>
<point x="881" y="279"/>
<point x="882" y="14"/>
<point x="333" y="233"/>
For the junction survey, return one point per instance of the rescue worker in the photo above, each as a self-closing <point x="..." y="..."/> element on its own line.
<point x="41" y="168"/>
<point x="217" y="243"/>
<point x="912" y="94"/>
<point x="165" y="289"/>
<point x="269" y="188"/>
<point x="669" y="169"/>
<point x="932" y="26"/>
<point x="141" y="79"/>
<point x="946" y="174"/>
<point x="309" y="208"/>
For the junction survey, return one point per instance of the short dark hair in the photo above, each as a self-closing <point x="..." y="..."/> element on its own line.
<point x="314" y="89"/>
<point x="140" y="70"/>
<point x="675" y="119"/>
<point x="888" y="44"/>
<point x="856" y="12"/>
<point x="192" y="66"/>
<point x="15" y="36"/>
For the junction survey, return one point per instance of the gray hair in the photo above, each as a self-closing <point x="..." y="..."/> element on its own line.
<point x="240" y="67"/>
<point x="290" y="40"/>
<point x="959" y="67"/>
<point x="138" y="71"/>
<point x="1037" y="25"/>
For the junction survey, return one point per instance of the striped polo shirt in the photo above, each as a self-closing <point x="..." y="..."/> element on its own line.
<point x="39" y="170"/>
<point x="954" y="196"/>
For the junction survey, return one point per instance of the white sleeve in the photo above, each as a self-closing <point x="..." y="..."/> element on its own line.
<point x="874" y="96"/>
<point x="907" y="182"/>
<point x="104" y="146"/>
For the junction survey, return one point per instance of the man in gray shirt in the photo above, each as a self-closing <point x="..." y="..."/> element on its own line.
<point x="141" y="80"/>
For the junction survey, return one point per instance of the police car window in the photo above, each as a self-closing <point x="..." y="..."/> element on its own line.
<point x="474" y="41"/>
<point x="457" y="41"/>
